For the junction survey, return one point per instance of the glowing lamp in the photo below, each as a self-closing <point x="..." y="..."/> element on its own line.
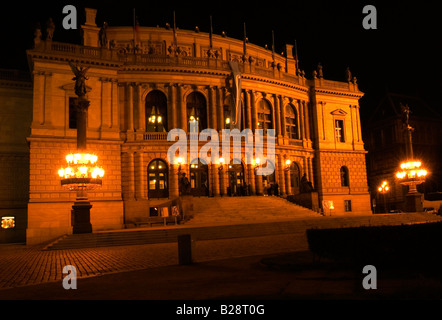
<point x="81" y="173"/>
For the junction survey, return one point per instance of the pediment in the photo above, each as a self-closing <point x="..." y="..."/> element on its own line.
<point x="339" y="112"/>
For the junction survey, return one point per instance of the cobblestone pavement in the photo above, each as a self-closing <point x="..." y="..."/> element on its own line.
<point x="22" y="265"/>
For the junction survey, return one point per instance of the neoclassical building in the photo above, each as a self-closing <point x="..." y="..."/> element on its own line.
<point x="143" y="83"/>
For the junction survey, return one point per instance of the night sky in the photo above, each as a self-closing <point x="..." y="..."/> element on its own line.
<point x="402" y="55"/>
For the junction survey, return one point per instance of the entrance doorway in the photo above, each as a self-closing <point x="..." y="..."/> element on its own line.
<point x="237" y="185"/>
<point x="158" y="180"/>
<point x="199" y="178"/>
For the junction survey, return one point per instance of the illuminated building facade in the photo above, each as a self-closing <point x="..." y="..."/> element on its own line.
<point x="142" y="83"/>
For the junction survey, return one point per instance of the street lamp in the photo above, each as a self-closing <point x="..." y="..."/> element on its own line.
<point x="411" y="172"/>
<point x="384" y="188"/>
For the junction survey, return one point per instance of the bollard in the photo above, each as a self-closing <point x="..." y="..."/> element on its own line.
<point x="185" y="246"/>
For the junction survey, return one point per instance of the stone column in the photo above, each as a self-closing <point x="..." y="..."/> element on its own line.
<point x="139" y="176"/>
<point x="301" y="121"/>
<point x="215" y="180"/>
<point x="48" y="99"/>
<point x="173" y="181"/>
<point x="181" y="105"/>
<point x="258" y="182"/>
<point x="38" y="98"/>
<point x="141" y="123"/>
<point x="282" y="116"/>
<point x="129" y="107"/>
<point x="115" y="115"/>
<point x="306" y="121"/>
<point x="224" y="179"/>
<point x="254" y="111"/>
<point x="172" y="110"/>
<point x="281" y="167"/>
<point x="251" y="175"/>
<point x="288" y="185"/>
<point x="277" y="116"/>
<point x="247" y="100"/>
<point x="220" y="107"/>
<point x="130" y="176"/>
<point x="212" y="102"/>
<point x="106" y="101"/>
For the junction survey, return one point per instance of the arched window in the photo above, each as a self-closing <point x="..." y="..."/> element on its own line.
<point x="227" y="112"/>
<point x="158" y="180"/>
<point x="156" y="112"/>
<point x="264" y="115"/>
<point x="345" y="181"/>
<point x="291" y="120"/>
<point x="196" y="110"/>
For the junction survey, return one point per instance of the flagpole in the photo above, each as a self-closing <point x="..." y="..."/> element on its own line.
<point x="174" y="31"/>
<point x="211" y="32"/>
<point x="134" y="27"/>
<point x="245" y="37"/>
<point x="273" y="45"/>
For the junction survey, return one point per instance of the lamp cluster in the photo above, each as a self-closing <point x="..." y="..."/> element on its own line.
<point x="411" y="170"/>
<point x="81" y="171"/>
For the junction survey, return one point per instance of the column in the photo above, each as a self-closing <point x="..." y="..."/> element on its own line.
<point x="215" y="180"/>
<point x="115" y="116"/>
<point x="182" y="107"/>
<point x="130" y="107"/>
<point x="282" y="116"/>
<point x="141" y="123"/>
<point x="173" y="181"/>
<point x="306" y="121"/>
<point x="38" y="99"/>
<point x="258" y="183"/>
<point x="106" y="101"/>
<point x="301" y="121"/>
<point x="220" y="108"/>
<point x="47" y="99"/>
<point x="288" y="186"/>
<point x="310" y="171"/>
<point x="130" y="176"/>
<point x="254" y="111"/>
<point x="277" y="116"/>
<point x="139" y="175"/>
<point x="251" y="175"/>
<point x="172" y="111"/>
<point x="213" y="109"/>
<point x="281" y="167"/>
<point x="247" y="100"/>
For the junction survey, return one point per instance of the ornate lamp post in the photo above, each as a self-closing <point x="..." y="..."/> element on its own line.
<point x="411" y="172"/>
<point x="81" y="173"/>
<point x="383" y="189"/>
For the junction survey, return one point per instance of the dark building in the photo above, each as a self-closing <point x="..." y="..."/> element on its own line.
<point x="384" y="134"/>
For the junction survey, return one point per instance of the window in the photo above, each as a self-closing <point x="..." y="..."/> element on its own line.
<point x="196" y="110"/>
<point x="156" y="112"/>
<point x="264" y="116"/>
<point x="339" y="130"/>
<point x="290" y="122"/>
<point x="72" y="113"/>
<point x="227" y="116"/>
<point x="344" y="177"/>
<point x="347" y="205"/>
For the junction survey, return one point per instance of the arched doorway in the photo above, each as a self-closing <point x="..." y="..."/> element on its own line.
<point x="199" y="178"/>
<point x="295" y="177"/>
<point x="158" y="179"/>
<point x="156" y="111"/>
<point x="237" y="185"/>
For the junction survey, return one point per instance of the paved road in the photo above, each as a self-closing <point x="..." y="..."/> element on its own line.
<point x="223" y="268"/>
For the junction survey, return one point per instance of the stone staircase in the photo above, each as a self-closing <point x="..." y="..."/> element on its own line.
<point x="233" y="210"/>
<point x="225" y="218"/>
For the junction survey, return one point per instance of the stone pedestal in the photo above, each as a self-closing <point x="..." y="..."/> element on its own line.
<point x="81" y="217"/>
<point x="413" y="202"/>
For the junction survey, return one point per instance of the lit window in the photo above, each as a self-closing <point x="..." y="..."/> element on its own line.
<point x="347" y="205"/>
<point x="339" y="131"/>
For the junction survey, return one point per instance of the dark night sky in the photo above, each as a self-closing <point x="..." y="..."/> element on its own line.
<point x="401" y="55"/>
